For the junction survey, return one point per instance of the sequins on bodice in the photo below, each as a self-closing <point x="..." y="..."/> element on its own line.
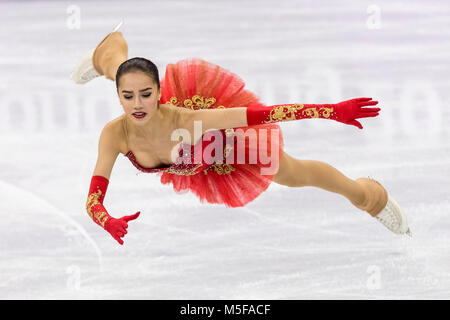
<point x="184" y="165"/>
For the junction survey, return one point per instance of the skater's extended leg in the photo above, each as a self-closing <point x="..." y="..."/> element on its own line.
<point x="365" y="193"/>
<point x="300" y="173"/>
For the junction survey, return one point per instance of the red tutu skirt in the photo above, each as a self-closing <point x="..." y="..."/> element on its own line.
<point x="197" y="84"/>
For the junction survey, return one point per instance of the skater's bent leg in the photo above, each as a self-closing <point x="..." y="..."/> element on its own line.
<point x="300" y="173"/>
<point x="110" y="54"/>
<point x="112" y="65"/>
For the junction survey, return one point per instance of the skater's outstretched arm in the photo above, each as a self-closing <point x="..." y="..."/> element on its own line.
<point x="346" y="112"/>
<point x="107" y="155"/>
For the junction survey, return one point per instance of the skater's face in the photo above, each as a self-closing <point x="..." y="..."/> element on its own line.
<point x="139" y="96"/>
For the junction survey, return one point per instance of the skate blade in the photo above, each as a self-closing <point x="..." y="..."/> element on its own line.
<point x="408" y="232"/>
<point x="118" y="26"/>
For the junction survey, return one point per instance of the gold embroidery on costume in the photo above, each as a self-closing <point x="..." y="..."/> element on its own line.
<point x="288" y="112"/>
<point x="280" y="114"/>
<point x="199" y="102"/>
<point x="182" y="172"/>
<point x="196" y="102"/>
<point x="326" y="112"/>
<point x="223" y="168"/>
<point x="92" y="200"/>
<point x="220" y="168"/>
<point x="173" y="100"/>
<point x="311" y="113"/>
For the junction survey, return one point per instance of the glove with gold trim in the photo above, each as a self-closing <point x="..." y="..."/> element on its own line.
<point x="94" y="206"/>
<point x="346" y="112"/>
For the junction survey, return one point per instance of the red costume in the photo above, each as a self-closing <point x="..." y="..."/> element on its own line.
<point x="198" y="84"/>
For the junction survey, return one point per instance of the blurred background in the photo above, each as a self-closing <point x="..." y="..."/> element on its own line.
<point x="289" y="243"/>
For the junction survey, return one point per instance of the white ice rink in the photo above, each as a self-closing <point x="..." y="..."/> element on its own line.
<point x="290" y="243"/>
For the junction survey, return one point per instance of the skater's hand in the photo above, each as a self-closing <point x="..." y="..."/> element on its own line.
<point x="118" y="227"/>
<point x="348" y="111"/>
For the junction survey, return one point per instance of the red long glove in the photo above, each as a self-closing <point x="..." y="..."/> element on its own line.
<point x="346" y="112"/>
<point x="94" y="207"/>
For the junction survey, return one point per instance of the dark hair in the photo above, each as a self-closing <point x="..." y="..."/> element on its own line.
<point x="138" y="64"/>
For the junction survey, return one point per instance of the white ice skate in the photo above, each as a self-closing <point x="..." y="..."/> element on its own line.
<point x="393" y="217"/>
<point x="84" y="71"/>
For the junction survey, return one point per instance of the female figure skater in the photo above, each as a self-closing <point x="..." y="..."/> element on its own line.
<point x="196" y="90"/>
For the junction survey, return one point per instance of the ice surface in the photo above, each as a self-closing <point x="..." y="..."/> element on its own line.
<point x="290" y="243"/>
